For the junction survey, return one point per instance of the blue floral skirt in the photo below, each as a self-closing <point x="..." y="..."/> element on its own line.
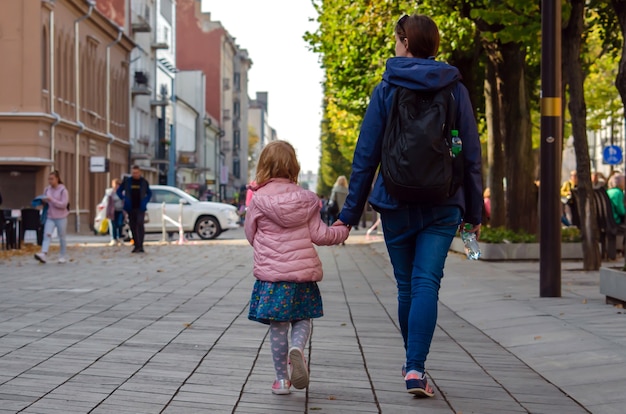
<point x="285" y="301"/>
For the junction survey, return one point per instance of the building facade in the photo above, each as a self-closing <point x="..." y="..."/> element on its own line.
<point x="64" y="100"/>
<point x="144" y="108"/>
<point x="203" y="44"/>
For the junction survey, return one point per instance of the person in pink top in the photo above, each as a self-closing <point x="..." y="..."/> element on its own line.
<point x="283" y="224"/>
<point x="57" y="199"/>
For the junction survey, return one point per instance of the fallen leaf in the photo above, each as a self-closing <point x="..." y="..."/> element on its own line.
<point x="562" y="313"/>
<point x="619" y="306"/>
<point x="584" y="301"/>
<point x="537" y="337"/>
<point x="332" y="397"/>
<point x="159" y="270"/>
<point x="343" y="324"/>
<point x="187" y="325"/>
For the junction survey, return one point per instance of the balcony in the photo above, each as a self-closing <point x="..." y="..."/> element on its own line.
<point x="141" y="19"/>
<point x="160" y="45"/>
<point x="141" y="85"/>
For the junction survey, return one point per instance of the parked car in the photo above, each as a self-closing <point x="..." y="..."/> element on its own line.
<point x="206" y="218"/>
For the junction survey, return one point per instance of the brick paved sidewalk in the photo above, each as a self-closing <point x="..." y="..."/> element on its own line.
<point x="112" y="332"/>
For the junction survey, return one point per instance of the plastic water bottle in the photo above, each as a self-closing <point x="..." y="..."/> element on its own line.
<point x="472" y="249"/>
<point x="457" y="143"/>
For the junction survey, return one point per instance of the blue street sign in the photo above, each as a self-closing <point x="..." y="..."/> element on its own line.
<point x="612" y="155"/>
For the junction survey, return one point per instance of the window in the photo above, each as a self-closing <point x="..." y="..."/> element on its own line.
<point x="166" y="10"/>
<point x="164" y="196"/>
<point x="44" y="60"/>
<point x="237" y="81"/>
<point x="237" y="139"/>
<point x="236" y="109"/>
<point x="236" y="168"/>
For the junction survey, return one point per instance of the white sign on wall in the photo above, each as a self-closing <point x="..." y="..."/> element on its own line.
<point x="98" y="164"/>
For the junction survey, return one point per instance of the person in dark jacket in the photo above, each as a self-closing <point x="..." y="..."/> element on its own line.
<point x="417" y="236"/>
<point x="135" y="192"/>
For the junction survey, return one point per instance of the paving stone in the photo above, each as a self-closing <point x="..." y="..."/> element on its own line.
<point x="168" y="332"/>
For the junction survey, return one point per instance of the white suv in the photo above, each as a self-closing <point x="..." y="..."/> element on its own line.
<point x="208" y="219"/>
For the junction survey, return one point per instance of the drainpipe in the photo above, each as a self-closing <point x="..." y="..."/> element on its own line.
<point x="81" y="126"/>
<point x="108" y="98"/>
<point x="52" y="92"/>
<point x="171" y="172"/>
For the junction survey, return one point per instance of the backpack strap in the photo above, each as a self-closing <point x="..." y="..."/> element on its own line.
<point x="458" y="163"/>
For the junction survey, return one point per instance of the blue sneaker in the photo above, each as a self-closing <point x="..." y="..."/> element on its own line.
<point x="417" y="384"/>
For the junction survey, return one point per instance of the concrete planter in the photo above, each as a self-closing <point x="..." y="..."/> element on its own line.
<point x="613" y="284"/>
<point x="518" y="251"/>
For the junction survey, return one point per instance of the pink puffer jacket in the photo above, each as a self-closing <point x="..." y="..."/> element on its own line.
<point x="282" y="224"/>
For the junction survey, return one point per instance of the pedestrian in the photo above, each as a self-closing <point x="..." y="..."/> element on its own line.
<point x="282" y="226"/>
<point x="567" y="201"/>
<point x="337" y="198"/>
<point x="487" y="204"/>
<point x="56" y="197"/>
<point x="135" y="192"/>
<point x="417" y="235"/>
<point x="114" y="207"/>
<point x="617" y="185"/>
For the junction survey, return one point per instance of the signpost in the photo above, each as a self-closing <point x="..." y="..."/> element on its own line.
<point x="612" y="155"/>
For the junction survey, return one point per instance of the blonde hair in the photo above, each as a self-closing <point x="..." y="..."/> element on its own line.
<point x="342" y="181"/>
<point x="277" y="160"/>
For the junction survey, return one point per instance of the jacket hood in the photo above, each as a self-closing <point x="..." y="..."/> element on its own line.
<point x="289" y="208"/>
<point x="420" y="74"/>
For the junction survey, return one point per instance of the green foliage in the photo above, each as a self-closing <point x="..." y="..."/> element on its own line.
<point x="503" y="235"/>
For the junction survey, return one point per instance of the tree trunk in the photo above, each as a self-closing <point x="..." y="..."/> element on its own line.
<point x="521" y="192"/>
<point x="495" y="153"/>
<point x="572" y="43"/>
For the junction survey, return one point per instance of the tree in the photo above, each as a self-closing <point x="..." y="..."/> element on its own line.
<point x="508" y="31"/>
<point x="572" y="39"/>
<point x="619" y="6"/>
<point x="354" y="39"/>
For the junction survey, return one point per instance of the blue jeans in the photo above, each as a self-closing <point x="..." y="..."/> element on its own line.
<point x="116" y="224"/>
<point x="418" y="239"/>
<point x="48" y="228"/>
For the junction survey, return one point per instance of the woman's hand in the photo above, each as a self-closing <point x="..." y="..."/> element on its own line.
<point x="341" y="223"/>
<point x="475" y="229"/>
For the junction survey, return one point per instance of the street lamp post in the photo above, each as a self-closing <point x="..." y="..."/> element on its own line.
<point x="551" y="144"/>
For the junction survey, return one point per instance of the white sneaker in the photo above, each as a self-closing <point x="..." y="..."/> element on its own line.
<point x="62" y="260"/>
<point x="41" y="257"/>
<point x="112" y="243"/>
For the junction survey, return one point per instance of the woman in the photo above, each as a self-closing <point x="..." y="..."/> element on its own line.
<point x="114" y="212"/>
<point x="57" y="199"/>
<point x="337" y="198"/>
<point x="417" y="236"/>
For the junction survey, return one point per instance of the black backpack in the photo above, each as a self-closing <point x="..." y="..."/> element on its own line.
<point x="417" y="162"/>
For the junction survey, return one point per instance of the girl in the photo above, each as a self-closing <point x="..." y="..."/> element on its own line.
<point x="282" y="224"/>
<point x="114" y="212"/>
<point x="57" y="198"/>
<point x="417" y="236"/>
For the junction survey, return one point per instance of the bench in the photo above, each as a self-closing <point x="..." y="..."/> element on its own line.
<point x="608" y="228"/>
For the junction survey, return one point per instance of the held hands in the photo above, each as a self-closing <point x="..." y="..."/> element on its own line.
<point x="348" y="227"/>
<point x="475" y="229"/>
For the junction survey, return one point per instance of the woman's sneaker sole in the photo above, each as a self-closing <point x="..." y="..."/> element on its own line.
<point x="299" y="370"/>
<point x="418" y="387"/>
